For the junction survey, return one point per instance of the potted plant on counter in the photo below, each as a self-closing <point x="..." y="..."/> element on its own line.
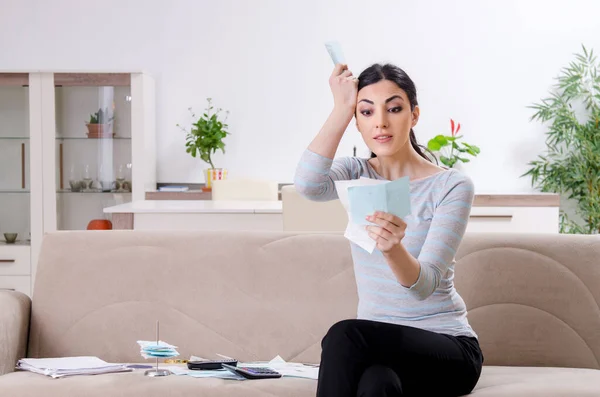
<point x="204" y="138"/>
<point x="100" y="124"/>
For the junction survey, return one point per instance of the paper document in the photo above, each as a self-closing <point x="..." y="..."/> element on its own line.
<point x="391" y="197"/>
<point x="295" y="370"/>
<point x="67" y="366"/>
<point x="342" y="188"/>
<point x="364" y="196"/>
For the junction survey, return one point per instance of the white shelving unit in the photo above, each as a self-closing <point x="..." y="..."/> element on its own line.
<point x="44" y="146"/>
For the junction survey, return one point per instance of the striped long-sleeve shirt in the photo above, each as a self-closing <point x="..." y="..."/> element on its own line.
<point x="440" y="208"/>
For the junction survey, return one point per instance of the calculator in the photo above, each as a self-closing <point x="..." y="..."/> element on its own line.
<point x="253" y="372"/>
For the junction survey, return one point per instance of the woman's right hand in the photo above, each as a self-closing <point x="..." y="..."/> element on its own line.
<point x="344" y="87"/>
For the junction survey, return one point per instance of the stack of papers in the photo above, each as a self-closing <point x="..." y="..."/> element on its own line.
<point x="160" y="349"/>
<point x="363" y="197"/>
<point x="67" y="366"/>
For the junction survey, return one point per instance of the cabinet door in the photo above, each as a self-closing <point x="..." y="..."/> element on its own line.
<point x="514" y="219"/>
<point x="15" y="181"/>
<point x="91" y="147"/>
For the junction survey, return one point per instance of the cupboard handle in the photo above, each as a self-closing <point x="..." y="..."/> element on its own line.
<point x="7" y="260"/>
<point x="491" y="216"/>
<point x="60" y="157"/>
<point x="23" y="166"/>
<point x="7" y="289"/>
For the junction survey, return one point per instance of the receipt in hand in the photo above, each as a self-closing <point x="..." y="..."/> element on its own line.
<point x="391" y="197"/>
<point x="364" y="196"/>
<point x="355" y="232"/>
<point x="335" y="52"/>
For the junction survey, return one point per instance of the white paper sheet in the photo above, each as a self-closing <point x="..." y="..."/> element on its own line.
<point x="296" y="370"/>
<point x="356" y="233"/>
<point x="69" y="366"/>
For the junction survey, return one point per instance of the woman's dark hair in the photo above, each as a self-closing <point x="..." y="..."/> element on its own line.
<point x="377" y="72"/>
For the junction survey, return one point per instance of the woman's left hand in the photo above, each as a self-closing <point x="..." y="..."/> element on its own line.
<point x="387" y="232"/>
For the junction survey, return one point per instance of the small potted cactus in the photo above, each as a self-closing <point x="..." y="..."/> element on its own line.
<point x="100" y="124"/>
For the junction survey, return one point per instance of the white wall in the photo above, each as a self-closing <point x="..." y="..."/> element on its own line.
<point x="478" y="62"/>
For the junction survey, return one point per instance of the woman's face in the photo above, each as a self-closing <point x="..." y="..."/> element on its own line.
<point x="384" y="117"/>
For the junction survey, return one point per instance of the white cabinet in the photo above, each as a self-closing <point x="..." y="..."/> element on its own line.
<point x="15" y="267"/>
<point x="19" y="192"/>
<point x="70" y="145"/>
<point x="514" y="219"/>
<point x="15" y="260"/>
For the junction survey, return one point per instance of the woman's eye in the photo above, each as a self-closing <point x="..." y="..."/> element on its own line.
<point x="397" y="109"/>
<point x="365" y="112"/>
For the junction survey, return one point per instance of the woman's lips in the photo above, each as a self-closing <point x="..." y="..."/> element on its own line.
<point x="383" y="138"/>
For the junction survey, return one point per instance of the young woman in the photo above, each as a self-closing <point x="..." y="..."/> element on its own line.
<point x="411" y="336"/>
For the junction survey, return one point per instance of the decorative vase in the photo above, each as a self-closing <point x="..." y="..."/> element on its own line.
<point x="99" y="224"/>
<point x="213" y="174"/>
<point x="10" y="238"/>
<point x="100" y="130"/>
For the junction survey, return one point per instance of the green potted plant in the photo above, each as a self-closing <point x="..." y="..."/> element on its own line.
<point x="100" y="124"/>
<point x="205" y="137"/>
<point x="450" y="149"/>
<point x="571" y="164"/>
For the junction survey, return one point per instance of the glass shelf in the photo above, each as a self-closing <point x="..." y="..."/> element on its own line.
<point x="11" y="191"/>
<point x="70" y="192"/>
<point x="62" y="138"/>
<point x="65" y="138"/>
<point x="19" y="242"/>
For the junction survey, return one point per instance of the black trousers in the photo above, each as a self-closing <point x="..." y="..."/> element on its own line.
<point x="368" y="358"/>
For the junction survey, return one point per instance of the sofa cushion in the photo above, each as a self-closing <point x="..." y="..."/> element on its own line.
<point x="537" y="382"/>
<point x="533" y="299"/>
<point x="494" y="382"/>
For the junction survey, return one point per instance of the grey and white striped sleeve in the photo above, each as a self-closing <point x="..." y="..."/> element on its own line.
<point x="315" y="175"/>
<point x="445" y="234"/>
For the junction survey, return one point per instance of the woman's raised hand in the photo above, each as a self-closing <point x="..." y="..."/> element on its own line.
<point x="344" y="87"/>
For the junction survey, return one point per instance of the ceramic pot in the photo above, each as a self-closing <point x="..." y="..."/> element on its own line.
<point x="213" y="174"/>
<point x="100" y="130"/>
<point x="99" y="224"/>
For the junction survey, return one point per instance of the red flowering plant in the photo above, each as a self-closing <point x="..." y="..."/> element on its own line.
<point x="449" y="147"/>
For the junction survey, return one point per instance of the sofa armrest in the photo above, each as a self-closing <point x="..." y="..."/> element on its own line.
<point x="15" y="310"/>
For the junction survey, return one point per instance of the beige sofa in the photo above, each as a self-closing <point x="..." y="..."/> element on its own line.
<point x="533" y="299"/>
